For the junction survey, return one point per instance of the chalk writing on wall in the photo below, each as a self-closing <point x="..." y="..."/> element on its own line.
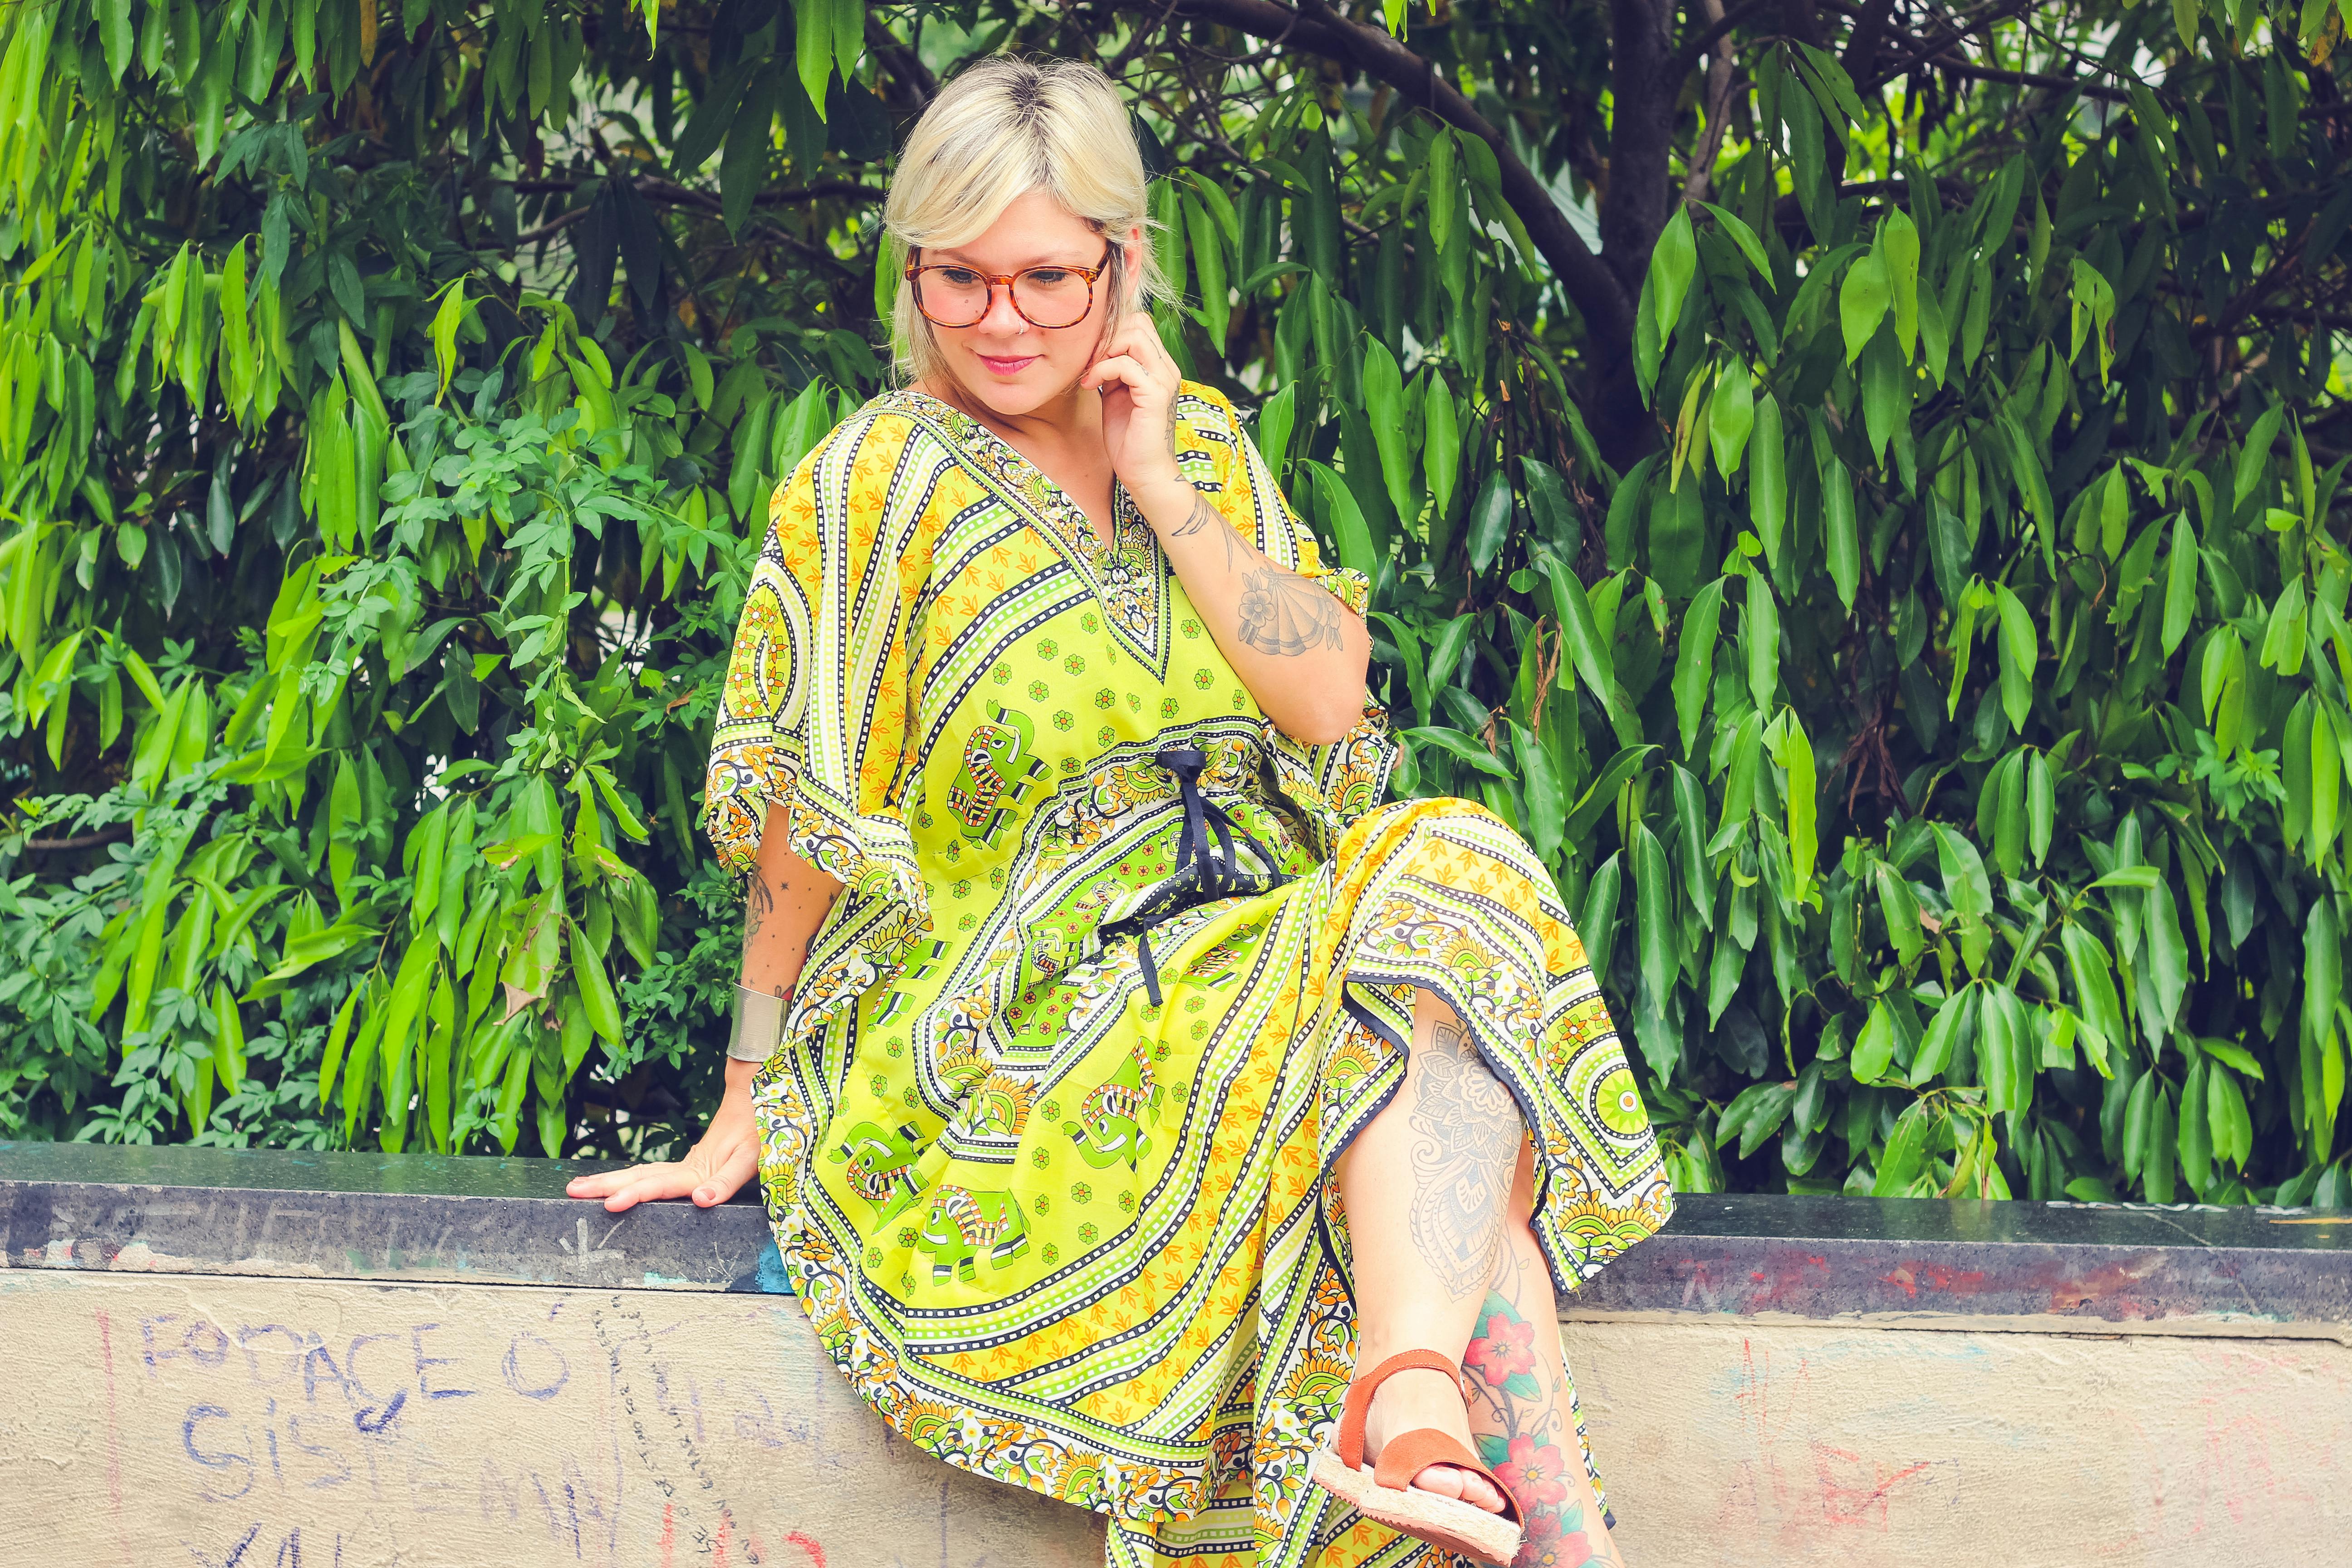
<point x="255" y="1424"/>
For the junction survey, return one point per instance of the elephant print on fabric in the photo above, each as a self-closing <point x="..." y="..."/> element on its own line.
<point x="962" y="1222"/>
<point x="1110" y="1125"/>
<point x="879" y="1165"/>
<point x="1001" y="772"/>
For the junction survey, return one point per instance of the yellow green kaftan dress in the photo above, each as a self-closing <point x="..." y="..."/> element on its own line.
<point x="1046" y="1144"/>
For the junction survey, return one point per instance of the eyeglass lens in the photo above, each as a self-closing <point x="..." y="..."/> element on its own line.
<point x="1048" y="296"/>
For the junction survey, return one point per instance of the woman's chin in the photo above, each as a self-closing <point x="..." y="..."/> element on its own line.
<point x="1010" y="390"/>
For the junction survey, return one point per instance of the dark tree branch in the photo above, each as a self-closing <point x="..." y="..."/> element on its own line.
<point x="1699" y="169"/>
<point x="1596" y="290"/>
<point x="1641" y="143"/>
<point x="551" y="228"/>
<point x="911" y="81"/>
<point x="1687" y="57"/>
<point x="655" y="189"/>
<point x="78" y="841"/>
<point x="1862" y="43"/>
<point x="1796" y="16"/>
<point x="1962" y="28"/>
<point x="669" y="193"/>
<point x="1952" y="66"/>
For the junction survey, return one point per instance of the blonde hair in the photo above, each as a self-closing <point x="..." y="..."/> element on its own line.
<point x="1003" y="127"/>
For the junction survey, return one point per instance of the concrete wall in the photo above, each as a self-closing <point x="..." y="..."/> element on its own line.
<point x="277" y="1424"/>
<point x="1953" y="1440"/>
<point x="200" y="1379"/>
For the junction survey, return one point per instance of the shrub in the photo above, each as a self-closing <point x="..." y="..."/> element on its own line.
<point x="1892" y="581"/>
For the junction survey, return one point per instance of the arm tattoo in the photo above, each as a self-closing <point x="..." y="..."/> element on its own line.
<point x="1202" y="515"/>
<point x="1284" y="615"/>
<point x="759" y="903"/>
<point x="1470" y="1130"/>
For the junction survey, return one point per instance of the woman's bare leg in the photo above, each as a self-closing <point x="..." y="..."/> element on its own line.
<point x="1519" y="1411"/>
<point x="1426" y="1187"/>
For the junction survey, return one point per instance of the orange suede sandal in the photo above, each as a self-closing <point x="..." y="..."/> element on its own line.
<point x="1385" y="1493"/>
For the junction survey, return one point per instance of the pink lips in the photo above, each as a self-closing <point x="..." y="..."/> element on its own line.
<point x="1009" y="367"/>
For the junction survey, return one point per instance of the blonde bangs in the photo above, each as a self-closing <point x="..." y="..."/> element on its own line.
<point x="1004" y="127"/>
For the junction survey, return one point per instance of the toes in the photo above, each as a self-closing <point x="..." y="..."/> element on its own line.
<point x="1480" y="1493"/>
<point x="1469" y="1485"/>
<point x="1444" y="1480"/>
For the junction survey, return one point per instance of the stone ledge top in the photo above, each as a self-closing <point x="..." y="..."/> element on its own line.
<point x="427" y="1219"/>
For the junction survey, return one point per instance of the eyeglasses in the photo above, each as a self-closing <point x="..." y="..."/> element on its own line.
<point x="949" y="294"/>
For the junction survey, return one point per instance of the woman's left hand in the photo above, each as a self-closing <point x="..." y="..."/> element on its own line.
<point x="1138" y="383"/>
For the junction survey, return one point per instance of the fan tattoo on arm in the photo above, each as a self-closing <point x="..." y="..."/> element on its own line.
<point x="1283" y="614"/>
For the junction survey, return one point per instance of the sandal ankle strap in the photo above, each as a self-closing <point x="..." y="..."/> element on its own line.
<point x="1359" y="1404"/>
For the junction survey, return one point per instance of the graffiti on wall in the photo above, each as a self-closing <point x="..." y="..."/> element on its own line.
<point x="238" y="1425"/>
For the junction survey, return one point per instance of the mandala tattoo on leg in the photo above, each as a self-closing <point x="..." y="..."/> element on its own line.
<point x="1284" y="615"/>
<point x="1468" y="1141"/>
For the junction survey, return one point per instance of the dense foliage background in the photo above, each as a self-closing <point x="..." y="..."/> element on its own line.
<point x="1857" y="483"/>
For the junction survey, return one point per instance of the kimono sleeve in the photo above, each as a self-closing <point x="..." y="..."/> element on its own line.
<point x="1342" y="781"/>
<point x="813" y="715"/>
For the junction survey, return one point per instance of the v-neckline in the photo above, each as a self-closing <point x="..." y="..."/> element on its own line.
<point x="1128" y="575"/>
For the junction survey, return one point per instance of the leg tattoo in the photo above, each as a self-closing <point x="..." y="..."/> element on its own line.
<point x="1522" y="1433"/>
<point x="1468" y="1138"/>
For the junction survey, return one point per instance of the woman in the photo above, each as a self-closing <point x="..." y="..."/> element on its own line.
<point x="1121" y="1076"/>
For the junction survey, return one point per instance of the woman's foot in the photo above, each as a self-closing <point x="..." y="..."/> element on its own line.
<point x="1413" y="1399"/>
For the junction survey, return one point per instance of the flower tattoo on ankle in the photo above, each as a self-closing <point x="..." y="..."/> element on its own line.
<point x="1523" y="1438"/>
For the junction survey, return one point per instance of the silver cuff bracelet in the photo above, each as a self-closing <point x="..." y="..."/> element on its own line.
<point x="759" y="1024"/>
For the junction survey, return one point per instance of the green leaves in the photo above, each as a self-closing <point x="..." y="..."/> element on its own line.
<point x="1786" y="741"/>
<point x="1863" y="300"/>
<point x="1760" y="641"/>
<point x="1588" y="653"/>
<point x="2020" y="650"/>
<point x="1673" y="260"/>
<point x="1441" y="450"/>
<point x="448" y="317"/>
<point x="392" y="551"/>
<point x="2179" y="584"/>
<point x="1768" y="485"/>
<point x="1384" y="406"/>
<point x="1694" y="665"/>
<point x="1653" y="901"/>
<point x="1731" y="415"/>
<point x="1840" y="531"/>
<point x="1346" y="519"/>
<point x="827" y="34"/>
<point x="2093" y="316"/>
<point x="1490" y="520"/>
<point x="1873" y="1051"/>
<point x="1898" y="252"/>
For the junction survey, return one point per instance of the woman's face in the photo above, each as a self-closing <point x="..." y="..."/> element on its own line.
<point x="1008" y="363"/>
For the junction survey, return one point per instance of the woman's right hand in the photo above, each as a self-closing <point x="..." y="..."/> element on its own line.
<point x="714" y="1169"/>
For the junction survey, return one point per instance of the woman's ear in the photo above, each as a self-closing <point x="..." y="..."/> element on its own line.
<point x="1130" y="283"/>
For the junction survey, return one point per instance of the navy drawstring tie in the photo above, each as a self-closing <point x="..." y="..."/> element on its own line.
<point x="1203" y="876"/>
